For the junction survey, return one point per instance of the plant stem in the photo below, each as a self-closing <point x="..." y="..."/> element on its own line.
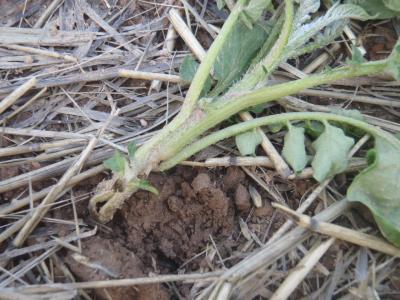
<point x="269" y="120"/>
<point x="147" y="156"/>
<point x="224" y="107"/>
<point x="205" y="67"/>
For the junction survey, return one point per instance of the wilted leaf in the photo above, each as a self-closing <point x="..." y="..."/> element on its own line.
<point x="378" y="187"/>
<point x="332" y="148"/>
<point x="116" y="163"/>
<point x="247" y="142"/>
<point x="241" y="46"/>
<point x="294" y="149"/>
<point x="132" y="147"/>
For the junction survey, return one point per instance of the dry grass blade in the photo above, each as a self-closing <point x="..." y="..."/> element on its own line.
<point x="15" y="95"/>
<point x="269" y="253"/>
<point x="228" y="161"/>
<point x="301" y="270"/>
<point x="42" y="209"/>
<point x="150" y="76"/>
<point x="117" y="283"/>
<point x="186" y="34"/>
<point x="342" y="233"/>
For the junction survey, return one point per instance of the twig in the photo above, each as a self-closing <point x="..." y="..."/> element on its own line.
<point x="16" y="94"/>
<point x="186" y="34"/>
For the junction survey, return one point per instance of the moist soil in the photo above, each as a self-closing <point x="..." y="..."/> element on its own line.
<point x="173" y="232"/>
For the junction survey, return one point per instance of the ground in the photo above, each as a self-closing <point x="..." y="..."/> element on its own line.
<point x="175" y="231"/>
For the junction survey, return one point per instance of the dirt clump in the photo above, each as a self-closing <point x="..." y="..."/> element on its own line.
<point x="242" y="198"/>
<point x="176" y="225"/>
<point x="233" y="177"/>
<point x="200" y="182"/>
<point x="163" y="234"/>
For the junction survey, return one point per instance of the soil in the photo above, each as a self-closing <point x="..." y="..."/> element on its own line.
<point x="165" y="234"/>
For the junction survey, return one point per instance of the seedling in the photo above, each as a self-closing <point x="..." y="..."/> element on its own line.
<point x="234" y="77"/>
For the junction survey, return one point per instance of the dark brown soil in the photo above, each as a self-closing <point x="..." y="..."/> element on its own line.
<point x="163" y="234"/>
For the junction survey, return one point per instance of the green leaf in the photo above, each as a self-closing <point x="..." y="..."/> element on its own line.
<point x="380" y="9"/>
<point x="394" y="64"/>
<point x="116" y="163"/>
<point x="143" y="185"/>
<point x="350" y="113"/>
<point x="332" y="148"/>
<point x="189" y="68"/>
<point x="392" y="4"/>
<point x="275" y="128"/>
<point x="247" y="142"/>
<point x="313" y="128"/>
<point x="294" y="149"/>
<point x="378" y="187"/>
<point x="255" y="8"/>
<point x="132" y="147"/>
<point x="324" y="28"/>
<point x="241" y="46"/>
<point x="258" y="109"/>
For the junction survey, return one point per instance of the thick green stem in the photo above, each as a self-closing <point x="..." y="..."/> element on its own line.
<point x="270" y="120"/>
<point x="147" y="155"/>
<point x="205" y="67"/>
<point x="221" y="109"/>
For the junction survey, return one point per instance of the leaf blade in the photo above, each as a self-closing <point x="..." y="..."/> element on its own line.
<point x="294" y="149"/>
<point x="247" y="142"/>
<point x="332" y="148"/>
<point x="378" y="188"/>
<point x="117" y="163"/>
